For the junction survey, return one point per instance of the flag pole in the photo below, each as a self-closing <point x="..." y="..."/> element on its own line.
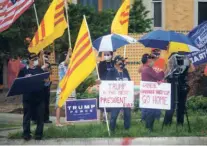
<point x="107" y="122"/>
<point x="125" y="51"/>
<point x="35" y="10"/>
<point x="66" y="11"/>
<point x="37" y="21"/>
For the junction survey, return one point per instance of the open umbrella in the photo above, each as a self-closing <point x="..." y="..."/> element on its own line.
<point x="162" y="39"/>
<point x="112" y="42"/>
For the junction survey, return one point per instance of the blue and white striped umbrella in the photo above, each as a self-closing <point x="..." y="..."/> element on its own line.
<point x="112" y="42"/>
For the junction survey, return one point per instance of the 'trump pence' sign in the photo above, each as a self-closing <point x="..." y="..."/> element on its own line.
<point x="116" y="94"/>
<point x="155" y="96"/>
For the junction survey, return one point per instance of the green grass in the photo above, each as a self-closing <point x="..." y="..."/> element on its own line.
<point x="9" y="126"/>
<point x="197" y="122"/>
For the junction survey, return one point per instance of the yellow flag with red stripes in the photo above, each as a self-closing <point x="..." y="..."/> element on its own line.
<point x="52" y="27"/>
<point x="120" y="23"/>
<point x="82" y="63"/>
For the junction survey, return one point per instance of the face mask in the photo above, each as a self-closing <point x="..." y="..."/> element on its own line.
<point x="122" y="65"/>
<point x="36" y="62"/>
<point x="107" y="58"/>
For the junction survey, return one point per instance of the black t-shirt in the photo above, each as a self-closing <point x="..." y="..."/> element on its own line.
<point x="33" y="96"/>
<point x="114" y="75"/>
<point x="103" y="68"/>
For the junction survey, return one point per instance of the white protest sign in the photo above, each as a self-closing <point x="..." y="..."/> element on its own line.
<point x="116" y="94"/>
<point x="154" y="95"/>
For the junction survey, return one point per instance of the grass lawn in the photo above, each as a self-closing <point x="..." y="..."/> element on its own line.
<point x="9" y="126"/>
<point x="197" y="122"/>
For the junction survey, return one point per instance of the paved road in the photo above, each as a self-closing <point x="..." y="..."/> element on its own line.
<point x="113" y="141"/>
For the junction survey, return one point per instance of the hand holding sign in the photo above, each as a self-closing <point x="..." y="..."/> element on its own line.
<point x="116" y="94"/>
<point x="155" y="96"/>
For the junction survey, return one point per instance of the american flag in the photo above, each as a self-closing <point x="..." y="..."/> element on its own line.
<point x="10" y="10"/>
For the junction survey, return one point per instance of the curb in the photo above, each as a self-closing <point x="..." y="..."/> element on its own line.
<point x="113" y="141"/>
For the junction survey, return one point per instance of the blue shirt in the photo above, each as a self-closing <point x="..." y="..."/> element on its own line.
<point x="62" y="69"/>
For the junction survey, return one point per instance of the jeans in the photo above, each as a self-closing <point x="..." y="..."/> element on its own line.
<point x="114" y="115"/>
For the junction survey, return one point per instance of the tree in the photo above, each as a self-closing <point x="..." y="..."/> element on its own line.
<point x="98" y="23"/>
<point x="139" y="21"/>
<point x="13" y="39"/>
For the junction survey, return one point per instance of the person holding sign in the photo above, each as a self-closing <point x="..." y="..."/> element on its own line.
<point x="149" y="74"/>
<point x="103" y="68"/>
<point x="119" y="73"/>
<point x="33" y="101"/>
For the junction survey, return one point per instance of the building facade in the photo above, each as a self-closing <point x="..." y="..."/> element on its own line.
<point x="167" y="14"/>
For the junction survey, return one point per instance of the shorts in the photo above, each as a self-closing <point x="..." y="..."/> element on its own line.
<point x="56" y="102"/>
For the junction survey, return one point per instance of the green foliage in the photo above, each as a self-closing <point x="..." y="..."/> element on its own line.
<point x="197" y="103"/>
<point x="81" y="90"/>
<point x="86" y="95"/>
<point x="98" y="22"/>
<point x="96" y="130"/>
<point x="13" y="39"/>
<point x="139" y="21"/>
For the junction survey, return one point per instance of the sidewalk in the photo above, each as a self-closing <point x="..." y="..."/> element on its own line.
<point x="17" y="118"/>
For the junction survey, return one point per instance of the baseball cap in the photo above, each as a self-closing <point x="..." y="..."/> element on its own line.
<point x="118" y="58"/>
<point x="32" y="56"/>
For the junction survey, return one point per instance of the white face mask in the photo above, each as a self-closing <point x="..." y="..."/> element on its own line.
<point x="107" y="58"/>
<point x="36" y="62"/>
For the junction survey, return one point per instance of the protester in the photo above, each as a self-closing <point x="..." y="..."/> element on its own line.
<point x="149" y="74"/>
<point x="103" y="68"/>
<point x="106" y="65"/>
<point x="44" y="63"/>
<point x="62" y="69"/>
<point x="119" y="73"/>
<point x="32" y="101"/>
<point x="178" y="79"/>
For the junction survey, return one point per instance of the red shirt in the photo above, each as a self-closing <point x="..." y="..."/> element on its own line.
<point x="148" y="74"/>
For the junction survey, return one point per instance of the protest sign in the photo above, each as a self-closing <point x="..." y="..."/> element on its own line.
<point x="81" y="110"/>
<point x="154" y="95"/>
<point x="116" y="94"/>
<point x="199" y="37"/>
<point x="29" y="84"/>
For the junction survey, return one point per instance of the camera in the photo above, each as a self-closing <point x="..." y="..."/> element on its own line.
<point x="178" y="63"/>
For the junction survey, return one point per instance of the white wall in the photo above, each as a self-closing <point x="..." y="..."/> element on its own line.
<point x="73" y="1"/>
<point x="149" y="7"/>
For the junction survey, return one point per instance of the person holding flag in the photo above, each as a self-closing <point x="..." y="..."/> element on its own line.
<point x="62" y="69"/>
<point x="82" y="63"/>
